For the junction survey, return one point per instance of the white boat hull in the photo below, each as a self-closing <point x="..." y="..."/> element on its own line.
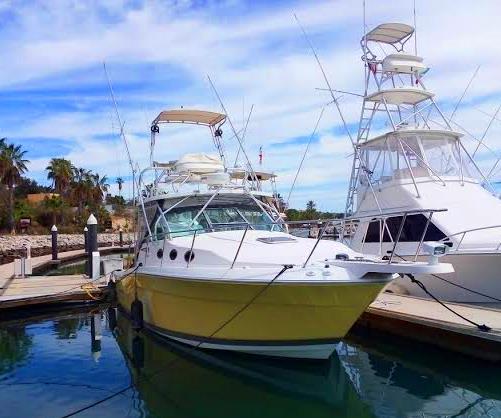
<point x="480" y="272"/>
<point x="314" y="351"/>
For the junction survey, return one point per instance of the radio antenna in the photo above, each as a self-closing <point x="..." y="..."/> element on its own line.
<point x="304" y="155"/>
<point x="235" y="133"/>
<point x="331" y="90"/>
<point x="464" y="94"/>
<point x="415" y="28"/>
<point x="243" y="134"/>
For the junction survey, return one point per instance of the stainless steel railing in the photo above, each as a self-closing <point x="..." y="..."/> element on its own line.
<point x="463" y="234"/>
<point x="345" y="228"/>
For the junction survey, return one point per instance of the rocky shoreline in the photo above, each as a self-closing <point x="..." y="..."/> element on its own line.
<point x="14" y="246"/>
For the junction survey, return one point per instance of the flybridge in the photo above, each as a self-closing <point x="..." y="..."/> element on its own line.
<point x="420" y="142"/>
<point x="209" y="171"/>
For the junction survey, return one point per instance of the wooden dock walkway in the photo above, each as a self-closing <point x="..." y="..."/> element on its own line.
<point x="42" y="290"/>
<point x="38" y="290"/>
<point x="426" y="321"/>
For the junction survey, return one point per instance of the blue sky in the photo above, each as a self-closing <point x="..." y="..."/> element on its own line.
<point x="54" y="98"/>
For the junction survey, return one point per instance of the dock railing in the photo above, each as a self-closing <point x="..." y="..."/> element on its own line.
<point x="345" y="227"/>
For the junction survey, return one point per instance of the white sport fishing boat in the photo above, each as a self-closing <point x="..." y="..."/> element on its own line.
<point x="215" y="266"/>
<point x="420" y="162"/>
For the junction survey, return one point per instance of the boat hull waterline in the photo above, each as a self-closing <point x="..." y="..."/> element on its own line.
<point x="298" y="320"/>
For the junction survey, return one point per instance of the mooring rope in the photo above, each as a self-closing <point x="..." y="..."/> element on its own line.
<point x="482" y="327"/>
<point x="458" y="285"/>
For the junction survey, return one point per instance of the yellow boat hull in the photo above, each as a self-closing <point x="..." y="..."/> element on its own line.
<point x="287" y="319"/>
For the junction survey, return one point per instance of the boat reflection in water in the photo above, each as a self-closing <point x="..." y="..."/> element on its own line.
<point x="176" y="379"/>
<point x="49" y="367"/>
<point x="173" y="378"/>
<point x="400" y="380"/>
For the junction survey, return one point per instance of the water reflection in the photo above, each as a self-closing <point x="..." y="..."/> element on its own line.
<point x="174" y="379"/>
<point x="15" y="345"/>
<point x="53" y="365"/>
<point x="441" y="385"/>
<point x="67" y="328"/>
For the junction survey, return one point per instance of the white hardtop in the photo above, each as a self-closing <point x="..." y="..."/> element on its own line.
<point x="198" y="117"/>
<point x="390" y="33"/>
<point x="400" y="95"/>
<point x="221" y="192"/>
<point x="424" y="134"/>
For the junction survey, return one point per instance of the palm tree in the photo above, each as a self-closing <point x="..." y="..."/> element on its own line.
<point x="311" y="206"/>
<point x="60" y="171"/>
<point x="55" y="206"/>
<point x="120" y="182"/>
<point x="81" y="187"/>
<point x="12" y="166"/>
<point x="101" y="187"/>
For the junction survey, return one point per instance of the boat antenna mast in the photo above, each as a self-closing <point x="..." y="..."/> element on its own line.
<point x="235" y="133"/>
<point x="243" y="135"/>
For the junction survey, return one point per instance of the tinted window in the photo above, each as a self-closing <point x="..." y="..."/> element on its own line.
<point x="412" y="231"/>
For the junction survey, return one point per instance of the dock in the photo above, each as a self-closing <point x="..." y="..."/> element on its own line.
<point x="44" y="290"/>
<point x="426" y="321"/>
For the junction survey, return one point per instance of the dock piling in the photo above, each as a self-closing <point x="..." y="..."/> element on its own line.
<point x="91" y="244"/>
<point x="86" y="240"/>
<point x="121" y="237"/>
<point x="53" y="233"/>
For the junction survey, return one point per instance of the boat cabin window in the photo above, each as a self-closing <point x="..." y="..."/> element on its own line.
<point x="181" y="221"/>
<point x="224" y="215"/>
<point x="443" y="157"/>
<point x="412" y="231"/>
<point x="413" y="155"/>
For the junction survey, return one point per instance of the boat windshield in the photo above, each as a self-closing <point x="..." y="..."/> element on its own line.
<point x="417" y="155"/>
<point x="184" y="221"/>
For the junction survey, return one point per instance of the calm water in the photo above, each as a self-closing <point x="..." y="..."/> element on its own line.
<point x="57" y="364"/>
<point x="72" y="267"/>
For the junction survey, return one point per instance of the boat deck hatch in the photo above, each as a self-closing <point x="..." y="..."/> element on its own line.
<point x="275" y="240"/>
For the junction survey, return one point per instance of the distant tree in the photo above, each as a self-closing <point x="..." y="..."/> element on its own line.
<point x="27" y="186"/>
<point x="60" y="171"/>
<point x="115" y="200"/>
<point x="294" y="215"/>
<point x="120" y="182"/>
<point x="311" y="206"/>
<point x="12" y="166"/>
<point x="81" y="187"/>
<point x="101" y="186"/>
<point x="54" y="206"/>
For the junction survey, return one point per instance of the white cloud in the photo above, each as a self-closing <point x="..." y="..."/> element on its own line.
<point x="256" y="55"/>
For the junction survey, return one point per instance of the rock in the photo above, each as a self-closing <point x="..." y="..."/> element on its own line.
<point x="14" y="246"/>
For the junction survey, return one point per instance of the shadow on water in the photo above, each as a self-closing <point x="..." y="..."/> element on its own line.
<point x="51" y="366"/>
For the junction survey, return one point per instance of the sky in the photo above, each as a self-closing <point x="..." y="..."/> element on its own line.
<point x="55" y="102"/>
